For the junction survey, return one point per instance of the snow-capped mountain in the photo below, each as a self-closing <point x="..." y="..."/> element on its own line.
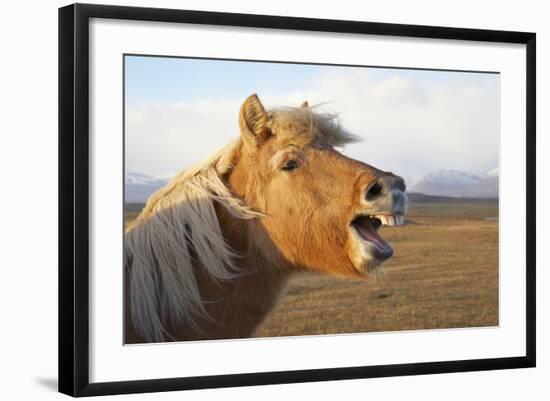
<point x="493" y="172"/>
<point x="459" y="184"/>
<point x="486" y="188"/>
<point x="139" y="187"/>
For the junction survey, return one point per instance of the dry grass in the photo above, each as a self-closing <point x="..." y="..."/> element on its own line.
<point x="444" y="274"/>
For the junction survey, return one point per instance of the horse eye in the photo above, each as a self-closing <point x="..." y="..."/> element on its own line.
<point x="290" y="165"/>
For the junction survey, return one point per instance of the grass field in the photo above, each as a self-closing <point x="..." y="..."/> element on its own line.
<point x="444" y="274"/>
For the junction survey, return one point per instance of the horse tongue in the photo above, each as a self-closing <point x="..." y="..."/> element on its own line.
<point x="367" y="231"/>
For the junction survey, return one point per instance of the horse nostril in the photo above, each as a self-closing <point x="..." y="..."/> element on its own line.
<point x="374" y="191"/>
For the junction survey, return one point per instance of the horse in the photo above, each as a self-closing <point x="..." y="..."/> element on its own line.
<point x="210" y="253"/>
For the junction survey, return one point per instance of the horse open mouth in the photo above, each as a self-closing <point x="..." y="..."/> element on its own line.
<point x="367" y="230"/>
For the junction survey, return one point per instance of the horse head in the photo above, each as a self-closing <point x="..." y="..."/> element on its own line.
<point x="320" y="209"/>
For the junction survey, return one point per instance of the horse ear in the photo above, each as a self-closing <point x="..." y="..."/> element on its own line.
<point x="304" y="105"/>
<point x="253" y="121"/>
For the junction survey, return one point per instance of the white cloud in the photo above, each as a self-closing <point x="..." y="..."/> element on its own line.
<point x="409" y="127"/>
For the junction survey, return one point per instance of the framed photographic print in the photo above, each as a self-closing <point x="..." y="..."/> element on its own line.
<point x="250" y="199"/>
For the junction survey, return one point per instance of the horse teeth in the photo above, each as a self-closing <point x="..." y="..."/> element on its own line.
<point x="390" y="220"/>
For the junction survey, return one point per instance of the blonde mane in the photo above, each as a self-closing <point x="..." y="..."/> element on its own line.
<point x="302" y="124"/>
<point x="179" y="223"/>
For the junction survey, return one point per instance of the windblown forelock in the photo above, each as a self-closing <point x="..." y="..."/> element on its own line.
<point x="305" y="126"/>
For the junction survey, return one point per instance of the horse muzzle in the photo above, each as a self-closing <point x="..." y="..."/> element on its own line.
<point x="384" y="202"/>
<point x="386" y="197"/>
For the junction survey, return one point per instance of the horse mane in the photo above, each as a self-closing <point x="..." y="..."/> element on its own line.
<point x="304" y="125"/>
<point x="179" y="224"/>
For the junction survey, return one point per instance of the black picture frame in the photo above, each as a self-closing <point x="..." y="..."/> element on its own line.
<point x="74" y="200"/>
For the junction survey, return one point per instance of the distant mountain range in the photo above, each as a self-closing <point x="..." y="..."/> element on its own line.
<point x="140" y="186"/>
<point x="459" y="184"/>
<point x="447" y="183"/>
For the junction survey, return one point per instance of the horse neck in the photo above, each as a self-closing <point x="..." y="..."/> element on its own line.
<point x="235" y="308"/>
<point x="240" y="305"/>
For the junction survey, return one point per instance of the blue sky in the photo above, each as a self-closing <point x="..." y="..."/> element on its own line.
<point x="413" y="122"/>
<point x="171" y="79"/>
<point x="153" y="79"/>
